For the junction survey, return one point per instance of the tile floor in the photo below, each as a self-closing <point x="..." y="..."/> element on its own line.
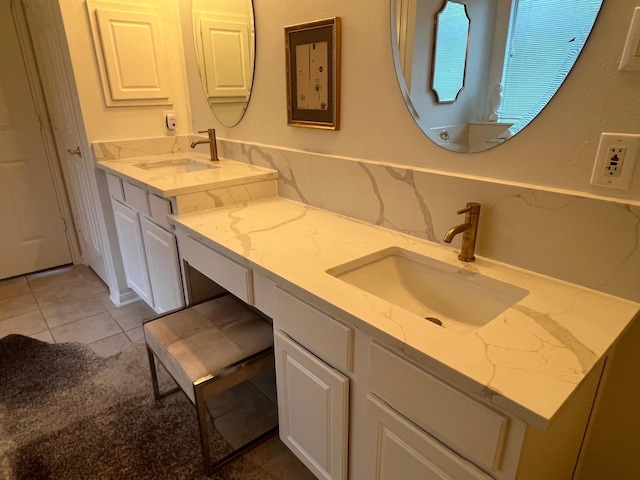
<point x="71" y="304"/>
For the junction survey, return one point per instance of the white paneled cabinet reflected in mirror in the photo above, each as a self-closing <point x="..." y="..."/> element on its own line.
<point x="224" y="38"/>
<point x="518" y="53"/>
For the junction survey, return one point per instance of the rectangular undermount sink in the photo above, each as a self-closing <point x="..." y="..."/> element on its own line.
<point x="461" y="300"/>
<point x="174" y="166"/>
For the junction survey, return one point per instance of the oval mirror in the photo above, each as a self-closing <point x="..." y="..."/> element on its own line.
<point x="224" y="36"/>
<point x="516" y="55"/>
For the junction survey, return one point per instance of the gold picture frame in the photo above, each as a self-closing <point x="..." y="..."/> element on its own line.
<point x="312" y="53"/>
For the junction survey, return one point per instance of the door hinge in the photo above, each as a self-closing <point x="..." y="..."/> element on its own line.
<point x="64" y="224"/>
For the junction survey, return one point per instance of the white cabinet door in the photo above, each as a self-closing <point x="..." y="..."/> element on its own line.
<point x="132" y="249"/>
<point x="164" y="268"/>
<point x="313" y="405"/>
<point x="399" y="450"/>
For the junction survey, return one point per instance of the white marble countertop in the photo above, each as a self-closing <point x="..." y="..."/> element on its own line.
<point x="527" y="361"/>
<point x="225" y="173"/>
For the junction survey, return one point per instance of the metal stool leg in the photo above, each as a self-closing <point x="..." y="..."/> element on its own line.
<point x="201" y="410"/>
<point x="154" y="378"/>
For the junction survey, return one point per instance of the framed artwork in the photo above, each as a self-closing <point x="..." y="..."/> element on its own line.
<point x="313" y="74"/>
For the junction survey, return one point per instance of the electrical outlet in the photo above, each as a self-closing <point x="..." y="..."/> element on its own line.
<point x="616" y="160"/>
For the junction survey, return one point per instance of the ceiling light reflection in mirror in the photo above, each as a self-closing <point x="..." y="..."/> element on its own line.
<point x="518" y="54"/>
<point x="224" y="35"/>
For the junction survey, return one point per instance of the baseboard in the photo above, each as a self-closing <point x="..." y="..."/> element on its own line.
<point x="125" y="298"/>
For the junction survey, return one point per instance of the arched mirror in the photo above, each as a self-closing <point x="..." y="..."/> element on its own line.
<point x="224" y="35"/>
<point x="474" y="73"/>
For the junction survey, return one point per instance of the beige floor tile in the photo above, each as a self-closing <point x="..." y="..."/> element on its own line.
<point x="13" y="287"/>
<point x="135" y="334"/>
<point x="226" y="401"/>
<point x="266" y="382"/>
<point x="71" y="311"/>
<point x="53" y="295"/>
<point x="131" y="316"/>
<point x="91" y="279"/>
<point x="19" y="305"/>
<point x="247" y="420"/>
<point x="56" y="276"/>
<point x="43" y="336"/>
<point x="87" y="330"/>
<point x="111" y="345"/>
<point x="25" y="324"/>
<point x="105" y="300"/>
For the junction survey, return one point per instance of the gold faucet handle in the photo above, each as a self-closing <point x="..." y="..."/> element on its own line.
<point x="210" y="131"/>
<point x="472" y="207"/>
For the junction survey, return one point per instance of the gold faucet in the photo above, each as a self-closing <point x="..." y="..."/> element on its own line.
<point x="213" y="147"/>
<point x="469" y="229"/>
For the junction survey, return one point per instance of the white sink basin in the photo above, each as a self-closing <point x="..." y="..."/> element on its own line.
<point x="178" y="165"/>
<point x="459" y="299"/>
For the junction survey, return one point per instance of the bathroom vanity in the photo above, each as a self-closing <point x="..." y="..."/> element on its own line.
<point x="393" y="358"/>
<point x="144" y="190"/>
<point x="368" y="388"/>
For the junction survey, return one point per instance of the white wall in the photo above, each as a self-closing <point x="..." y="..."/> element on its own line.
<point x="556" y="150"/>
<point x="111" y="123"/>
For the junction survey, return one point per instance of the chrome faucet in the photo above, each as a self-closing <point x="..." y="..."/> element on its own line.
<point x="213" y="147"/>
<point x="469" y="230"/>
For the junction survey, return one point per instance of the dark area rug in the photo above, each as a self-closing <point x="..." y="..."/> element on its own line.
<point x="68" y="414"/>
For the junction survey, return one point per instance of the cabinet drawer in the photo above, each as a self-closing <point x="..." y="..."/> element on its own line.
<point x="225" y="272"/>
<point x="160" y="208"/>
<point x="136" y="197"/>
<point x="115" y="187"/>
<point x="474" y="430"/>
<point x="264" y="290"/>
<point x="325" y="337"/>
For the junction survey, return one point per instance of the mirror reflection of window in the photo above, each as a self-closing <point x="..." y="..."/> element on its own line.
<point x="450" y="57"/>
<point x="545" y="38"/>
<point x="518" y="54"/>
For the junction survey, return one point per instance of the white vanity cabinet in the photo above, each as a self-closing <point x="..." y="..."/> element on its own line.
<point x="420" y="426"/>
<point x="149" y="250"/>
<point x="162" y="260"/>
<point x="401" y="450"/>
<point x="417" y="426"/>
<point x="313" y="356"/>
<point x="132" y="250"/>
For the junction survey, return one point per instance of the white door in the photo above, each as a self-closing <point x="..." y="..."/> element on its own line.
<point x="132" y="248"/>
<point x="33" y="235"/>
<point x="164" y="266"/>
<point x="400" y="450"/>
<point x="59" y="87"/>
<point x="313" y="407"/>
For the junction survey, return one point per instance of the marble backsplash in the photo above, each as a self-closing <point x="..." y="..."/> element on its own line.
<point x="588" y="241"/>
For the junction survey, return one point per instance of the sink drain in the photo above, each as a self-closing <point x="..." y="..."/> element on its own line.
<point x="435" y="320"/>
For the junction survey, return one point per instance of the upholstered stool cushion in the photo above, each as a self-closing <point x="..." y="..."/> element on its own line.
<point x="201" y="340"/>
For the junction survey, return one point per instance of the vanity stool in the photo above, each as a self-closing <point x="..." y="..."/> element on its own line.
<point x="209" y="348"/>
